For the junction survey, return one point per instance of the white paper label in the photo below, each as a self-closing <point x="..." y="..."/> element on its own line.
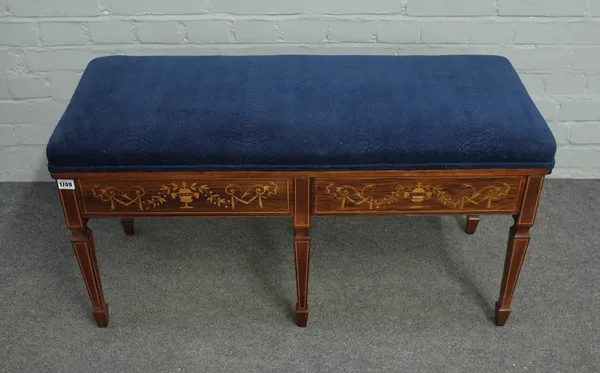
<point x="65" y="184"/>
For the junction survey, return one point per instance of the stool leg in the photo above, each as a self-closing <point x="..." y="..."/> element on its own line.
<point x="302" y="246"/>
<point x="85" y="253"/>
<point x="472" y="222"/>
<point x="302" y="259"/>
<point x="518" y="241"/>
<point x="127" y="224"/>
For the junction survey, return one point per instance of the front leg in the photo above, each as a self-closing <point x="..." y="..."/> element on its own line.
<point x="85" y="253"/>
<point x="302" y="246"/>
<point x="518" y="241"/>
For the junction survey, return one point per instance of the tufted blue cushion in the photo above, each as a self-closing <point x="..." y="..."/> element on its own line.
<point x="299" y="113"/>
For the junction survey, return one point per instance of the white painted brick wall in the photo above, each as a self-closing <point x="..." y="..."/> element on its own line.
<point x="62" y="33"/>
<point x="209" y="31"/>
<point x="45" y="45"/>
<point x="399" y="32"/>
<point x="8" y="60"/>
<point x="565" y="83"/>
<point x="27" y="87"/>
<point x="302" y="31"/>
<point x="15" y="112"/>
<point x="253" y="31"/>
<point x="352" y="31"/>
<point x="4" y="94"/>
<point x="111" y="32"/>
<point x="21" y="34"/>
<point x="159" y="32"/>
<point x="451" y="8"/>
<point x="63" y="84"/>
<point x="37" y="8"/>
<point x="445" y="32"/>
<point x="541" y="8"/>
<point x="594" y="84"/>
<point x="537" y="33"/>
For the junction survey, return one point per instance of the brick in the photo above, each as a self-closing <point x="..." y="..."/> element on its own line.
<point x="62" y="85"/>
<point x="303" y="31"/>
<point x="111" y="32"/>
<point x="7" y="61"/>
<point x="578" y="157"/>
<point x="15" y="113"/>
<point x="560" y="131"/>
<point x="565" y="83"/>
<point x="47" y="112"/>
<point x="4" y="94"/>
<point x="579" y="110"/>
<point x="537" y="33"/>
<point x="17" y="34"/>
<point x="26" y="87"/>
<point x="541" y="8"/>
<point x="435" y="50"/>
<point x="536" y="58"/>
<point x="209" y="32"/>
<point x="159" y="32"/>
<point x="7" y="136"/>
<point x="33" y="134"/>
<point x="546" y="106"/>
<point x="594" y="84"/>
<point x="585" y="133"/>
<point x="255" y="32"/>
<point x="24" y="163"/>
<point x="62" y="33"/>
<point x="156" y="7"/>
<point x="58" y="8"/>
<point x="491" y="32"/>
<point x="580" y="33"/>
<point x="353" y="6"/>
<point x="58" y="59"/>
<point x="586" y="59"/>
<point x="450" y="8"/>
<point x="533" y="82"/>
<point x="445" y="32"/>
<point x="399" y="32"/>
<point x="352" y="31"/>
<point x="258" y="7"/>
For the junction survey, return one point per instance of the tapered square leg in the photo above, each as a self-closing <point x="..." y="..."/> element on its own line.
<point x="301" y="316"/>
<point x="128" y="228"/>
<point x="85" y="252"/>
<point x="501" y="314"/>
<point x="472" y="222"/>
<point x="518" y="241"/>
<point x="302" y="247"/>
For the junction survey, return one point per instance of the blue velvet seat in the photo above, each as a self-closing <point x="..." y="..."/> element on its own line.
<point x="299" y="113"/>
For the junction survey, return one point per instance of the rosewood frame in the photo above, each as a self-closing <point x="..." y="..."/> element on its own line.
<point x="300" y="195"/>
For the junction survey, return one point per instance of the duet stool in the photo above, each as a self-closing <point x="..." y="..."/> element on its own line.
<point x="297" y="136"/>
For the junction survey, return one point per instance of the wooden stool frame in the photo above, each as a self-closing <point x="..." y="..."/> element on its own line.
<point x="300" y="194"/>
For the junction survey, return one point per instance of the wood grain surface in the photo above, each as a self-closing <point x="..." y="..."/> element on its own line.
<point x="191" y="196"/>
<point x="418" y="195"/>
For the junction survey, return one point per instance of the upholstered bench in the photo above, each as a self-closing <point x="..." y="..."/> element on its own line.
<point x="299" y="136"/>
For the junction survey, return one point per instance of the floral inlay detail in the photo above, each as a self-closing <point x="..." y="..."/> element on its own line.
<point x="187" y="194"/>
<point x="417" y="194"/>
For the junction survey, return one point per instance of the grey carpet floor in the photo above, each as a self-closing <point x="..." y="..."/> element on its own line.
<point x="387" y="294"/>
